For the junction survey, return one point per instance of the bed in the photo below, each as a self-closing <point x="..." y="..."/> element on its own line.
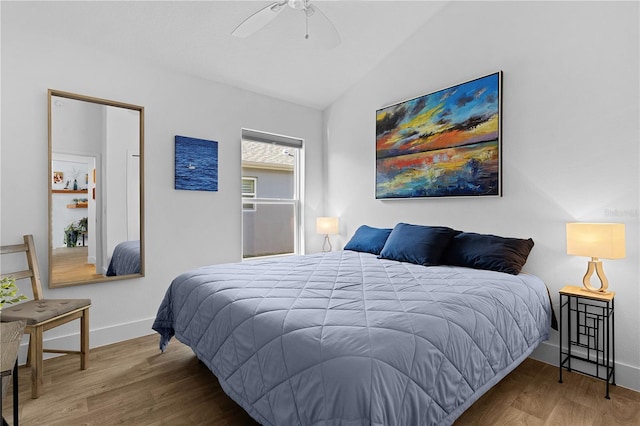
<point x="125" y="259"/>
<point x="349" y="338"/>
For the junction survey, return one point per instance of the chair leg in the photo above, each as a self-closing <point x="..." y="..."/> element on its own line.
<point x="35" y="350"/>
<point x="15" y="394"/>
<point x="28" y="363"/>
<point x="84" y="340"/>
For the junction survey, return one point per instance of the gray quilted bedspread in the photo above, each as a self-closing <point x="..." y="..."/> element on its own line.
<point x="347" y="339"/>
<point x="125" y="259"/>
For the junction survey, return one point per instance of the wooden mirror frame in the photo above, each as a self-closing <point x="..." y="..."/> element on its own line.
<point x="98" y="278"/>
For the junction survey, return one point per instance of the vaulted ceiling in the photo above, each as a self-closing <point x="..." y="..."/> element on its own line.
<point x="194" y="37"/>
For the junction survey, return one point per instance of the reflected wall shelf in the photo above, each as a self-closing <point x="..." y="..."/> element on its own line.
<point x="69" y="191"/>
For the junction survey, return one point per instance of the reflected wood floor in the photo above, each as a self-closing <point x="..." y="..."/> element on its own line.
<point x="132" y="383"/>
<point x="70" y="264"/>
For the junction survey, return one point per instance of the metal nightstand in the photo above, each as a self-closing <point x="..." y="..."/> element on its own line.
<point x="590" y="334"/>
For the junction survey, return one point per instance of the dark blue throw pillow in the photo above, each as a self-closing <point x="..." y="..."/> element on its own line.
<point x="485" y="251"/>
<point x="422" y="245"/>
<point x="368" y="239"/>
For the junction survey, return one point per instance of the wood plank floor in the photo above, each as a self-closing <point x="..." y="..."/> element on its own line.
<point x="132" y="383"/>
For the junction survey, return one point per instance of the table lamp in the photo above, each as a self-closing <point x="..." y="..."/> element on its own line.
<point x="327" y="226"/>
<point x="596" y="240"/>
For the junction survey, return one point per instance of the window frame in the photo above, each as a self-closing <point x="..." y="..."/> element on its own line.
<point x="298" y="187"/>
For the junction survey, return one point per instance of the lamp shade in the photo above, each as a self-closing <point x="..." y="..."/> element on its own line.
<point x="327" y="225"/>
<point x="600" y="240"/>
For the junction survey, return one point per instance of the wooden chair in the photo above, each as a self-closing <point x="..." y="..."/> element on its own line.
<point x="43" y="314"/>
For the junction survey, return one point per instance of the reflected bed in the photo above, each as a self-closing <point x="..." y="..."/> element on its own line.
<point x="125" y="259"/>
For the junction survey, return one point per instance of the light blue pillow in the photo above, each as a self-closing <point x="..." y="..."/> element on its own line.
<point x="368" y="239"/>
<point x="422" y="245"/>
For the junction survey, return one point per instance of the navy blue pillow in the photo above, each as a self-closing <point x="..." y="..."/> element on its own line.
<point x="368" y="239"/>
<point x="422" y="245"/>
<point x="485" y="251"/>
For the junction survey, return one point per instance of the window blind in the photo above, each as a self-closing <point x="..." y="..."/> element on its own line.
<point x="257" y="136"/>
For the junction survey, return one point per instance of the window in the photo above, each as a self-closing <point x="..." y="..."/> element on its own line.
<point x="249" y="191"/>
<point x="270" y="211"/>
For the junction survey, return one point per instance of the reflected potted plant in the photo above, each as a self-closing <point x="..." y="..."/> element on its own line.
<point x="73" y="230"/>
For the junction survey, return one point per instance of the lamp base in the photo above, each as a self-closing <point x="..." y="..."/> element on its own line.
<point x="595" y="265"/>
<point x="602" y="293"/>
<point x="326" y="245"/>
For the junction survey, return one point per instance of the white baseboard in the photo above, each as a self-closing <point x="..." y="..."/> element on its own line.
<point x="627" y="376"/>
<point x="97" y="337"/>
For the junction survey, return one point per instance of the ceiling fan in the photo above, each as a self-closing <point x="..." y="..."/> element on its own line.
<point x="267" y="14"/>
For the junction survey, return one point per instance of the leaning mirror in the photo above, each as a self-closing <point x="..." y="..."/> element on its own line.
<point x="96" y="190"/>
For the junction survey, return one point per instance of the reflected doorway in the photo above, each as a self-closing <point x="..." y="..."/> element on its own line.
<point x="73" y="216"/>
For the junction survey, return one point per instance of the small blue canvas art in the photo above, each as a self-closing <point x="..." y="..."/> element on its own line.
<point x="196" y="164"/>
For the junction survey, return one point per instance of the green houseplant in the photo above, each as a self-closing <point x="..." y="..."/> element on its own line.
<point x="74" y="229"/>
<point x="9" y="292"/>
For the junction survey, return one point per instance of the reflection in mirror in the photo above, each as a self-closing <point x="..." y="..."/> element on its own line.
<point x="96" y="226"/>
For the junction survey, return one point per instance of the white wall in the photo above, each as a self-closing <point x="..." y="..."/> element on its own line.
<point x="122" y="140"/>
<point x="570" y="137"/>
<point x="184" y="229"/>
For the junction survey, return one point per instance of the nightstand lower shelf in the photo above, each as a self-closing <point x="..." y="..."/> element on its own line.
<point x="587" y="334"/>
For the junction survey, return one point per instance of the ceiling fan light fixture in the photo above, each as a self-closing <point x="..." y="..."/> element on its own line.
<point x="297" y="4"/>
<point x="310" y="10"/>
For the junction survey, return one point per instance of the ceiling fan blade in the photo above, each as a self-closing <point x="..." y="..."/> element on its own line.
<point x="258" y="20"/>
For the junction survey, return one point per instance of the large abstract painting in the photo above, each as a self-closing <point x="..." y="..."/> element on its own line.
<point x="196" y="164"/>
<point x="444" y="144"/>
